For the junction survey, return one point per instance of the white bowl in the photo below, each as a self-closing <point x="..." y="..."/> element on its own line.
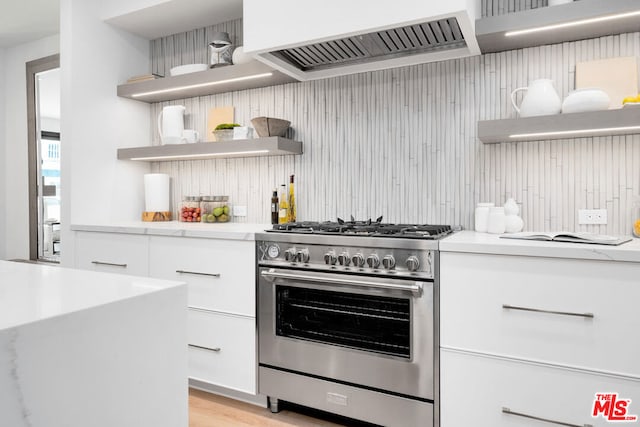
<point x="188" y="68"/>
<point x="588" y="99"/>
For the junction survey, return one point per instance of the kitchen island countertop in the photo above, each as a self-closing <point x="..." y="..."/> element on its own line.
<point x="86" y="348"/>
<point x="230" y="231"/>
<point x="484" y="243"/>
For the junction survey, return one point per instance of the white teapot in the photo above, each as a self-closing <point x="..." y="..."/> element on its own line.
<point x="541" y="99"/>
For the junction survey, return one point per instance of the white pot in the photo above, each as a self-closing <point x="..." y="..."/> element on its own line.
<point x="588" y="99"/>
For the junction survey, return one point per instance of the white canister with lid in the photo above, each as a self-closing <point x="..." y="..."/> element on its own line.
<point x="497" y="220"/>
<point x="482" y="216"/>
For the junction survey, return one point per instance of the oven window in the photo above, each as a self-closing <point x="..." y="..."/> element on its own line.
<point x="371" y="323"/>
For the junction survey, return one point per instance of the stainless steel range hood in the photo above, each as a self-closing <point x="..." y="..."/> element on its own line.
<point x="332" y="38"/>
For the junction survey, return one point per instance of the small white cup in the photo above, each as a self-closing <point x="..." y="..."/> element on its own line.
<point x="190" y="136"/>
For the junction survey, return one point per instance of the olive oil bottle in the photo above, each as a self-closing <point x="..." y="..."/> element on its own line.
<point x="291" y="213"/>
<point x="284" y="206"/>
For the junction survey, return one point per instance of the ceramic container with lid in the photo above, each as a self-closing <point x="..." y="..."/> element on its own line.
<point x="497" y="220"/>
<point x="482" y="216"/>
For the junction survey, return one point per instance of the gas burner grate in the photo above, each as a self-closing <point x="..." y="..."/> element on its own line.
<point x="369" y="227"/>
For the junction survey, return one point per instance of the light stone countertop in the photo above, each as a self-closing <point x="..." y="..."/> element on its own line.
<point x="484" y="243"/>
<point x="29" y="292"/>
<point x="229" y="231"/>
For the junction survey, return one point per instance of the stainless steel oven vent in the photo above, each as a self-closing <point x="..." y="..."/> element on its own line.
<point x="425" y="37"/>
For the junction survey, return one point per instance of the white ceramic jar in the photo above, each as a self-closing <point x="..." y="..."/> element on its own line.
<point x="482" y="216"/>
<point x="497" y="220"/>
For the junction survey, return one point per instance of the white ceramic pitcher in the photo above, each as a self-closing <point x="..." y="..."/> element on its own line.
<point x="171" y="124"/>
<point x="541" y="99"/>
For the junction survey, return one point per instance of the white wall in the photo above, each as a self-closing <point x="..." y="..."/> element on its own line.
<point x="95" y="58"/>
<point x="3" y="144"/>
<point x="15" y="164"/>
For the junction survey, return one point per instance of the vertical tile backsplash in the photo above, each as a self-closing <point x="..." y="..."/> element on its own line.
<point x="402" y="142"/>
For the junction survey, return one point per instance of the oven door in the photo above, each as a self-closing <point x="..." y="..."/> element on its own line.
<point x="364" y="331"/>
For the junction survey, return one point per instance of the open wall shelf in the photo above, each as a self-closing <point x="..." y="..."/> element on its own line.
<point x="228" y="78"/>
<point x="491" y="31"/>
<point x="623" y="121"/>
<point x="269" y="146"/>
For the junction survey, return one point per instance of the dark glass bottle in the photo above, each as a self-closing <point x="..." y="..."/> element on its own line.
<point x="274" y="206"/>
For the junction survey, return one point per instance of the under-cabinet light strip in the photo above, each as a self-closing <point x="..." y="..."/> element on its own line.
<point x="572" y="23"/>
<point x="190" y="156"/>
<point x="218" y="82"/>
<point x="575" y="132"/>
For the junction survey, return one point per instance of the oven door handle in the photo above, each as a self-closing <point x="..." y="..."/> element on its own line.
<point x="271" y="275"/>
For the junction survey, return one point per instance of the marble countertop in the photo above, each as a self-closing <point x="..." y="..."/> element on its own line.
<point x="230" y="231"/>
<point x="483" y="243"/>
<point x="29" y="292"/>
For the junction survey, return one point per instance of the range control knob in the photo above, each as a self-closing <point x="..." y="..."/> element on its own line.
<point x="389" y="262"/>
<point x="373" y="261"/>
<point x="303" y="255"/>
<point x="413" y="263"/>
<point x="290" y="254"/>
<point x="344" y="259"/>
<point x="357" y="260"/>
<point x="330" y="258"/>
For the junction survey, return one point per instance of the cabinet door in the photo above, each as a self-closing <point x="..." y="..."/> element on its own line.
<point x="588" y="314"/>
<point x="112" y="253"/>
<point x="485" y="391"/>
<point x="220" y="273"/>
<point x="222" y="350"/>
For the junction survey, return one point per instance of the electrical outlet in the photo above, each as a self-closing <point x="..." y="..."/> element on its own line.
<point x="592" y="216"/>
<point x="239" y="211"/>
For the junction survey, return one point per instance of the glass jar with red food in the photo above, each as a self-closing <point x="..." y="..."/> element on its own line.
<point x="190" y="209"/>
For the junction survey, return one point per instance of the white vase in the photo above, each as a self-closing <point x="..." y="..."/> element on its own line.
<point x="511" y="207"/>
<point x="513" y="224"/>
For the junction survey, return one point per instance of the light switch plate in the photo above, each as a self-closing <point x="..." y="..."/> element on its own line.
<point x="239" y="211"/>
<point x="592" y="216"/>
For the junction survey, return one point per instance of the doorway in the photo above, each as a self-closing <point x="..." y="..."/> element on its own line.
<point x="43" y="108"/>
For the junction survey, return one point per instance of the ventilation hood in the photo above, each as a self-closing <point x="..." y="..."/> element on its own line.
<point x="319" y="39"/>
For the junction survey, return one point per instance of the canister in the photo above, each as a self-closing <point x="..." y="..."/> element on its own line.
<point x="190" y="209"/>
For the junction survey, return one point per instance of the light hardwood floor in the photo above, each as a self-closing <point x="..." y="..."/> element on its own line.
<point x="210" y="410"/>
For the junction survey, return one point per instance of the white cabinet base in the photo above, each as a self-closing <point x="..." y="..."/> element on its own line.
<point x="474" y="389"/>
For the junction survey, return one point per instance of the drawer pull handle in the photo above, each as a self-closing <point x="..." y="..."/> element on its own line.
<point x="197" y="273"/>
<point x="109" y="263"/>
<point x="537" y="310"/>
<point x="546" y="420"/>
<point x="216" y="349"/>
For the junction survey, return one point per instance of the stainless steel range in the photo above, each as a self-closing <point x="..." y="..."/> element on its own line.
<point x="348" y="319"/>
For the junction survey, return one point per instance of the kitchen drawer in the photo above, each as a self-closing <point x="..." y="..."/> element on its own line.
<point x="474" y="288"/>
<point x="112" y="253"/>
<point x="222" y="350"/>
<point x="474" y="389"/>
<point x="220" y="273"/>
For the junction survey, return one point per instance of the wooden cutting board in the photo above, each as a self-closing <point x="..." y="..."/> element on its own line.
<point x="618" y="77"/>
<point x="218" y="116"/>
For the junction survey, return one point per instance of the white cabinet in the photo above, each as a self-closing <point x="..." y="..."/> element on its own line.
<point x="220" y="273"/>
<point x="476" y="288"/>
<point x="222" y="350"/>
<point x="475" y="389"/>
<point x="220" y="276"/>
<point x="112" y="253"/>
<point x="539" y="336"/>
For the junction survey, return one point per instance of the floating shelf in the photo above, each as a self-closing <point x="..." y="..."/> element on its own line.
<point x="623" y="121"/>
<point x="228" y="78"/>
<point x="269" y="146"/>
<point x="490" y="31"/>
